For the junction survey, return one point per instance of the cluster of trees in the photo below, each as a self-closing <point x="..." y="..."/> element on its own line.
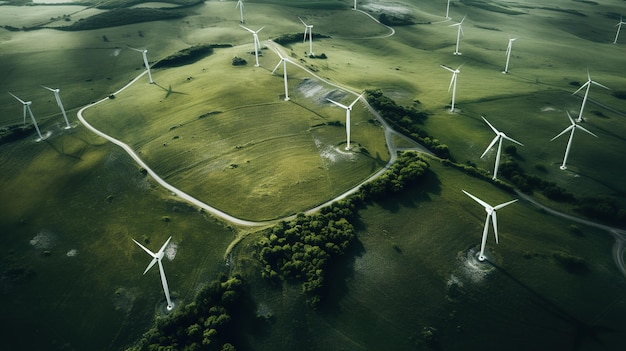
<point x="394" y="20"/>
<point x="480" y="173"/>
<point x="406" y="120"/>
<point x="603" y="208"/>
<point x="528" y="183"/>
<point x="123" y="16"/>
<point x="408" y="168"/>
<point x="301" y="250"/>
<point x="207" y="323"/>
<point x="286" y="39"/>
<point x="112" y="4"/>
<point x="189" y="55"/>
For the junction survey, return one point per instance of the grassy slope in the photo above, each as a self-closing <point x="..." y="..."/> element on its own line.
<point x="417" y="51"/>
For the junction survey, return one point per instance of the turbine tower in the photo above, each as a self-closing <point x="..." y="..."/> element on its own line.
<point x="308" y="28"/>
<point x="508" y="55"/>
<point x="572" y="127"/>
<point x="491" y="214"/>
<point x="588" y="85"/>
<point x="26" y="105"/>
<point x="59" y="103"/>
<point x="458" y="34"/>
<point x="257" y="44"/>
<point x="619" y="27"/>
<point x="240" y="6"/>
<point x="157" y="258"/>
<point x="283" y="60"/>
<point x="354" y="8"/>
<point x="144" y="53"/>
<point x="455" y="73"/>
<point x="448" y="10"/>
<point x="498" y="138"/>
<point x="348" y="109"/>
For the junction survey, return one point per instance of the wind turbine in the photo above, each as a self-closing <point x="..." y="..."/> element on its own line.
<point x="448" y="10"/>
<point x="283" y="60"/>
<point x="144" y="53"/>
<point x="619" y="27"/>
<point x="308" y="28"/>
<point x="508" y="55"/>
<point x="26" y="105"/>
<point x="491" y="214"/>
<point x="257" y="44"/>
<point x="498" y="138"/>
<point x="348" y="109"/>
<point x="455" y="73"/>
<point x="58" y="98"/>
<point x="588" y="85"/>
<point x="240" y="5"/>
<point x="458" y="34"/>
<point x="572" y="127"/>
<point x="156" y="258"/>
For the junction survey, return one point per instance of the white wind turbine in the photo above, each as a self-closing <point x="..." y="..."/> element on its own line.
<point x="619" y="28"/>
<point x="308" y="28"/>
<point x="283" y="60"/>
<point x="455" y="73"/>
<point x="348" y="109"/>
<point x="508" y="55"/>
<point x="448" y="10"/>
<point x="491" y="214"/>
<point x="144" y="53"/>
<point x="26" y="105"/>
<point x="240" y="5"/>
<point x="354" y="8"/>
<point x="572" y="127"/>
<point x="257" y="44"/>
<point x="588" y="85"/>
<point x="498" y="138"/>
<point x="59" y="103"/>
<point x="157" y="258"/>
<point x="458" y="34"/>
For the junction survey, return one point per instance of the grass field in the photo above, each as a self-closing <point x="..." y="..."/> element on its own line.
<point x="258" y="157"/>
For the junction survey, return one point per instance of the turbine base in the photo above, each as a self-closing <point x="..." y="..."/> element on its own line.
<point x="505" y="72"/>
<point x="458" y="54"/>
<point x="562" y="168"/>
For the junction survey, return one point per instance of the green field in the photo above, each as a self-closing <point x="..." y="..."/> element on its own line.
<point x="71" y="276"/>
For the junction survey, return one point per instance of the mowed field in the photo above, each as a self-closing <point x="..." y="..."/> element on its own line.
<point x="225" y="135"/>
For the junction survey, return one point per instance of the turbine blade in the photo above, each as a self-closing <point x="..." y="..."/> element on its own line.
<point x="511" y="139"/>
<point x="463" y="19"/>
<point x="489" y="124"/>
<point x="18" y="99"/>
<point x="154" y="260"/>
<point x="275" y="68"/>
<point x="260" y="29"/>
<point x="246" y="28"/>
<point x="484" y="204"/>
<point x="504" y="204"/>
<point x="354" y="102"/>
<point x="132" y="48"/>
<point x="452" y="80"/>
<point x="600" y="85"/>
<point x="164" y="245"/>
<point x="338" y="104"/>
<point x="145" y="249"/>
<point x="494" y="221"/>
<point x="493" y="142"/>
<point x="448" y="68"/>
<point x="48" y="88"/>
<point x="564" y="131"/>
<point x="570" y="118"/>
<point x="581" y="127"/>
<point x="166" y="288"/>
<point x="581" y="87"/>
<point x="301" y="21"/>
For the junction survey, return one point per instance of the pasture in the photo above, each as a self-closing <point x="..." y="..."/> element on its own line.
<point x="71" y="276"/>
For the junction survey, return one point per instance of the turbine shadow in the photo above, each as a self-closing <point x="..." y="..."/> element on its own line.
<point x="582" y="330"/>
<point x="169" y="91"/>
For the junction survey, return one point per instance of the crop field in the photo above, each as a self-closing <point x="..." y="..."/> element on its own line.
<point x="71" y="278"/>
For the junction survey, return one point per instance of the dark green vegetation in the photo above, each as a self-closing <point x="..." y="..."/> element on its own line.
<point x="123" y="16"/>
<point x="188" y="55"/>
<point x="114" y="4"/>
<point x="212" y="321"/>
<point x="287" y="39"/>
<point x="15" y="132"/>
<point x="406" y="120"/>
<point x="304" y="249"/>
